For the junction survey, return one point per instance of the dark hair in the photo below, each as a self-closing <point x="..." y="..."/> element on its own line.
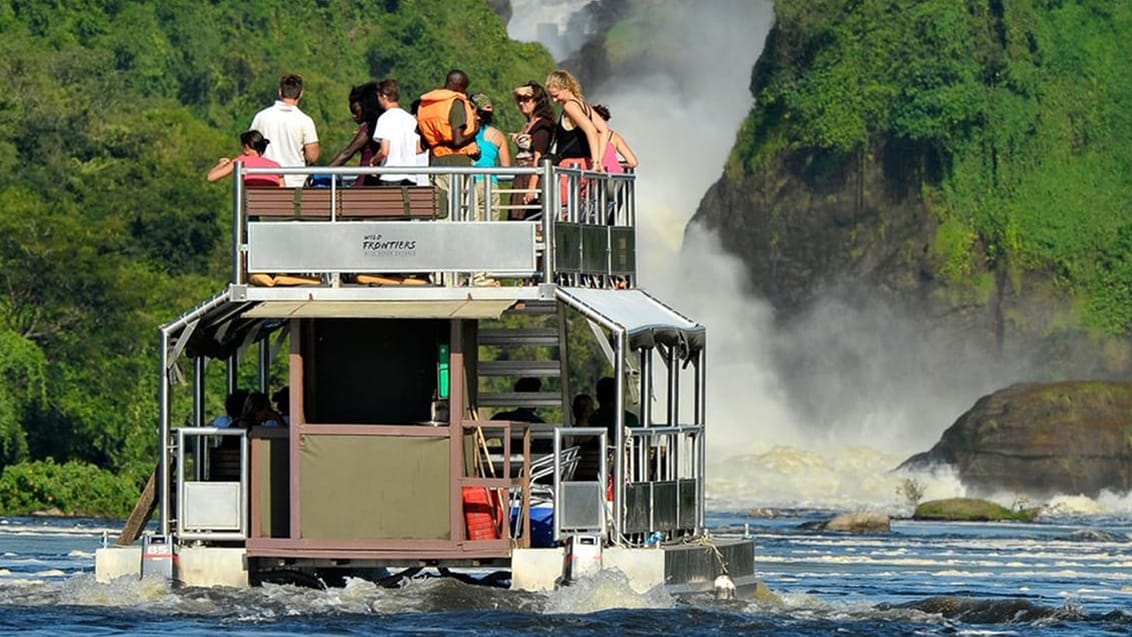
<point x="282" y="399"/>
<point x="487" y="118"/>
<point x="254" y="139"/>
<point x="234" y="403"/>
<point x="603" y="110"/>
<point x="528" y="384"/>
<point x="456" y="80"/>
<point x="291" y="86"/>
<point x="256" y="402"/>
<point x="606" y="391"/>
<point x="542" y="101"/>
<point x="365" y="96"/>
<point x="580" y="403"/>
<point x="390" y="90"/>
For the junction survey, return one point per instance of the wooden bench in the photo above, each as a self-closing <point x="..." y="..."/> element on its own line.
<point x="406" y="202"/>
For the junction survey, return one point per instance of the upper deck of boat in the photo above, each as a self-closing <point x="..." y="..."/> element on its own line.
<point x="331" y="249"/>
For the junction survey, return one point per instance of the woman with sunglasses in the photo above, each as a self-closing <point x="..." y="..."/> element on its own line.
<point x="533" y="142"/>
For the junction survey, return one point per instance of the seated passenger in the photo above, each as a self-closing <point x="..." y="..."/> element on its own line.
<point x="526" y="414"/>
<point x="522" y="414"/>
<point x="257" y="412"/>
<point x="233" y="406"/>
<point x="606" y="392"/>
<point x="583" y="410"/>
<point x="282" y="400"/>
<point x="254" y="145"/>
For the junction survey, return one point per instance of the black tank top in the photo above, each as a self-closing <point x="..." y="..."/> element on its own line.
<point x="572" y="143"/>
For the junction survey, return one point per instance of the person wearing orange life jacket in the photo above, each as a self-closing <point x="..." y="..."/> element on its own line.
<point x="447" y="123"/>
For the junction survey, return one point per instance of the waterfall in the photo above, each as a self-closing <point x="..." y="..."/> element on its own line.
<point x="679" y="105"/>
<point x="559" y="25"/>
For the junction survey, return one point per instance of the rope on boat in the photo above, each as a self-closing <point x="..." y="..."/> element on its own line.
<point x="705" y="540"/>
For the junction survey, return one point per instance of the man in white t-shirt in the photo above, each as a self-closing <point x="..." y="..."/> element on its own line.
<point x="294" y="140"/>
<point x="396" y="132"/>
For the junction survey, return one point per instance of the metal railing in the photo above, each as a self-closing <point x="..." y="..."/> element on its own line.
<point x="579" y="505"/>
<point x="589" y="217"/>
<point x="664" y="472"/>
<point x="211" y="509"/>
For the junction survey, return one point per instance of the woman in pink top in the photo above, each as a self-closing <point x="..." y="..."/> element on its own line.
<point x="617" y="148"/>
<point x="254" y="145"/>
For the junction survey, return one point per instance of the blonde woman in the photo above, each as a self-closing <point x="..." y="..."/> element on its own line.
<point x="581" y="134"/>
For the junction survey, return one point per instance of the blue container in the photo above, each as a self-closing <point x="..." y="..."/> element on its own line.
<point x="322" y="180"/>
<point x="542" y="524"/>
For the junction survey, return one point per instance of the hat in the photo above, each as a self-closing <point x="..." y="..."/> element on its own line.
<point x="525" y="90"/>
<point x="482" y="102"/>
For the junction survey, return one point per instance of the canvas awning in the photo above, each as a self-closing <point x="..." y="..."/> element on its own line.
<point x="644" y="320"/>
<point x="426" y="308"/>
<point x="221" y="325"/>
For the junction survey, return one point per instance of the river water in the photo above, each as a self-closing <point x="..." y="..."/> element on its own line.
<point x="1068" y="574"/>
<point x="1064" y="575"/>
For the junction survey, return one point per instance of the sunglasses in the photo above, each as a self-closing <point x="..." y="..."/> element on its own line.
<point x="524" y="98"/>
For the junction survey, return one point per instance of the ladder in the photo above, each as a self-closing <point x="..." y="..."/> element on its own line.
<point x="531" y="346"/>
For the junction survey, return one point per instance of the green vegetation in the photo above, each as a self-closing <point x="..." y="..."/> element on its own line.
<point x="1013" y="114"/>
<point x="971" y="510"/>
<point x="912" y="490"/>
<point x="76" y="488"/>
<point x="111" y="114"/>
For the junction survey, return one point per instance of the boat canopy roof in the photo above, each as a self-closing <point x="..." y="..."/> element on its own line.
<point x="226" y="323"/>
<point x="223" y="325"/>
<point x="644" y="320"/>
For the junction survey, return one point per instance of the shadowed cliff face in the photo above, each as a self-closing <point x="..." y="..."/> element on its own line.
<point x="810" y="225"/>
<point x="854" y="231"/>
<point x="1041" y="439"/>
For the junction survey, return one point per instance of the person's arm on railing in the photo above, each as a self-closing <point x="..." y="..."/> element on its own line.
<point x="624" y="150"/>
<point x="361" y="138"/>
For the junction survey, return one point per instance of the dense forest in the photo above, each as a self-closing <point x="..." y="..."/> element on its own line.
<point x="970" y="159"/>
<point x="112" y="111"/>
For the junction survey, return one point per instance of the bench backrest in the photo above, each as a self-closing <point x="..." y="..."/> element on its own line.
<point x="405" y="202"/>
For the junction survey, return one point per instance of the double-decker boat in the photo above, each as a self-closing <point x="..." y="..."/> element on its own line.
<point x="402" y="311"/>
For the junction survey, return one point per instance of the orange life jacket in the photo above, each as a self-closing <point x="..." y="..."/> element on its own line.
<point x="432" y="119"/>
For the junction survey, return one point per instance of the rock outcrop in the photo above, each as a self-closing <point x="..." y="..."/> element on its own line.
<point x="1041" y="439"/>
<point x="859" y="522"/>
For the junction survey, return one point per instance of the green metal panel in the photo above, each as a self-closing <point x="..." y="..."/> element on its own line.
<point x="568" y="247"/>
<point x="623" y="250"/>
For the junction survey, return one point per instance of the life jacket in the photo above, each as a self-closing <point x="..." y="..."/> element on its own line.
<point x="432" y="119"/>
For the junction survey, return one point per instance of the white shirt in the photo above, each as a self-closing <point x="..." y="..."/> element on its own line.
<point x="400" y="129"/>
<point x="422" y="160"/>
<point x="287" y="129"/>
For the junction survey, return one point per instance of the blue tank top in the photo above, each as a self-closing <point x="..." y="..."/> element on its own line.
<point x="489" y="154"/>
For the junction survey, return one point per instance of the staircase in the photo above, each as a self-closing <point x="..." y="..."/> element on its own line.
<point x="528" y="340"/>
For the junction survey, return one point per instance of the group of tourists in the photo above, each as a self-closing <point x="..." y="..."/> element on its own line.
<point x="447" y="126"/>
<point x="245" y="409"/>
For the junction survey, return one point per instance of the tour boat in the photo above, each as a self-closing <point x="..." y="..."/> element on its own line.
<point x="403" y="317"/>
